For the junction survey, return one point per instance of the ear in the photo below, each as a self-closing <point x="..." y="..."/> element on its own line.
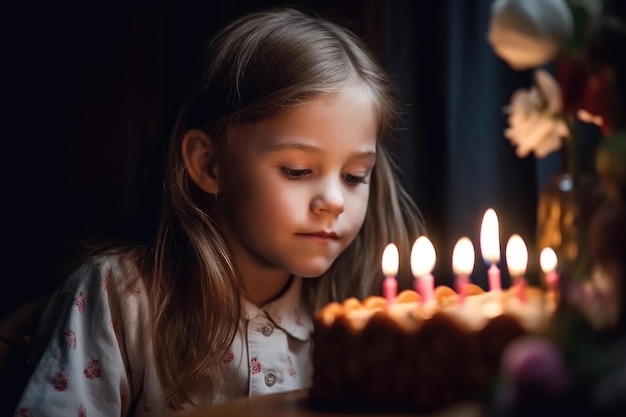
<point x="200" y="156"/>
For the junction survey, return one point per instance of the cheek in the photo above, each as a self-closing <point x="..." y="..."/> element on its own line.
<point x="238" y="179"/>
<point x="259" y="198"/>
<point x="356" y="209"/>
<point x="273" y="204"/>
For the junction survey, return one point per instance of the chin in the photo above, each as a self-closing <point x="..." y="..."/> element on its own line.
<point x="309" y="273"/>
<point x="312" y="270"/>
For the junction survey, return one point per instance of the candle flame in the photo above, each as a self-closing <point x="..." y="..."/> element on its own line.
<point x="490" y="237"/>
<point x="516" y="256"/>
<point x="548" y="260"/>
<point x="463" y="257"/>
<point x="423" y="257"/>
<point x="391" y="259"/>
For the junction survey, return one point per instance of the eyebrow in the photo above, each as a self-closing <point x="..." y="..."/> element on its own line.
<point x="304" y="147"/>
<point x="300" y="146"/>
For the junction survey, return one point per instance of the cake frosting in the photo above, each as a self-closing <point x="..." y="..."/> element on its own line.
<point x="411" y="355"/>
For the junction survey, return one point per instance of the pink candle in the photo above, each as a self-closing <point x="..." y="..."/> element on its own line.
<point x="548" y="262"/>
<point x="463" y="264"/>
<point x="423" y="258"/>
<point x="460" y="285"/>
<point x="490" y="247"/>
<point x="427" y="284"/>
<point x="517" y="261"/>
<point x="390" y="289"/>
<point x="552" y="279"/>
<point x="495" y="281"/>
<point x="520" y="288"/>
<point x="391" y="259"/>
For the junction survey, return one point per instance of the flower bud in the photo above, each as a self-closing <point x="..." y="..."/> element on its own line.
<point x="528" y="34"/>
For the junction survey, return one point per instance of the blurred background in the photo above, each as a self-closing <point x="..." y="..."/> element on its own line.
<point x="91" y="87"/>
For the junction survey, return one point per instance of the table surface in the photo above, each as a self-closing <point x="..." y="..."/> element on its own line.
<point x="295" y="404"/>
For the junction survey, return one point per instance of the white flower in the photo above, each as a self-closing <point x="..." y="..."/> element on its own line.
<point x="535" y="124"/>
<point x="529" y="33"/>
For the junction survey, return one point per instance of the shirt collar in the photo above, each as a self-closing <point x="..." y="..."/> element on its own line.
<point x="285" y="312"/>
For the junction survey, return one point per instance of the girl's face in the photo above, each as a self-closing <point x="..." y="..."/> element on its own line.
<point x="296" y="187"/>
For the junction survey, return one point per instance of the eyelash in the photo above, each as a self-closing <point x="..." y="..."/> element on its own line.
<point x="355" y="179"/>
<point x="294" y="174"/>
<point x="297" y="174"/>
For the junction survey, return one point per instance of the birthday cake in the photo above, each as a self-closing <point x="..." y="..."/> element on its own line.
<point x="415" y="356"/>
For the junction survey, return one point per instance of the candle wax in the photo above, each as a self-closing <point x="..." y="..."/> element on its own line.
<point x="552" y="280"/>
<point x="520" y="288"/>
<point x="460" y="284"/>
<point x="427" y="287"/>
<point x="390" y="289"/>
<point x="493" y="273"/>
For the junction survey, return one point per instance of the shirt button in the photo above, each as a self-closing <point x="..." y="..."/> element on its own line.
<point x="267" y="330"/>
<point x="270" y="379"/>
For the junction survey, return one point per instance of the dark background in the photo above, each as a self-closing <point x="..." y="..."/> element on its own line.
<point x="91" y="86"/>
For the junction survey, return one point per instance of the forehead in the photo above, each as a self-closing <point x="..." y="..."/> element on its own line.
<point x="332" y="122"/>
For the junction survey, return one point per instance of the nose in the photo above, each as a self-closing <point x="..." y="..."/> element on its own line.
<point x="330" y="199"/>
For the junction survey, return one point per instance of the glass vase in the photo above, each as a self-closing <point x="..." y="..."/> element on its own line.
<point x="564" y="209"/>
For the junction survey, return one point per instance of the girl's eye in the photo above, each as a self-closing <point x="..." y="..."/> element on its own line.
<point x="295" y="174"/>
<point x="355" y="179"/>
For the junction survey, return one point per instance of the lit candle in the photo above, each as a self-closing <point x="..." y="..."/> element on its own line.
<point x="548" y="262"/>
<point x="463" y="264"/>
<point x="423" y="258"/>
<point x="391" y="259"/>
<point x="517" y="261"/>
<point x="490" y="247"/>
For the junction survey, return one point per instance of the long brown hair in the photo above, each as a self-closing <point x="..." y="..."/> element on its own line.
<point x="258" y="67"/>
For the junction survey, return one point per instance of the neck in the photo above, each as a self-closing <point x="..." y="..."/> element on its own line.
<point x="262" y="284"/>
<point x="262" y="281"/>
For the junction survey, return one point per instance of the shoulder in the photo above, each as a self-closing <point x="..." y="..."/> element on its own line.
<point x="111" y="272"/>
<point x="103" y="290"/>
<point x="109" y="284"/>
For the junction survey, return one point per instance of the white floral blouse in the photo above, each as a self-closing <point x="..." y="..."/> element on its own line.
<point x="98" y="362"/>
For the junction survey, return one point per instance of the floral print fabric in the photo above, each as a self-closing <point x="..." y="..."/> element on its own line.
<point x="96" y="360"/>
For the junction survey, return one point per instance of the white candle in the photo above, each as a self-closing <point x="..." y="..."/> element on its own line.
<point x="463" y="264"/>
<point x="423" y="258"/>
<point x="490" y="247"/>
<point x="548" y="262"/>
<point x="517" y="262"/>
<point x="391" y="259"/>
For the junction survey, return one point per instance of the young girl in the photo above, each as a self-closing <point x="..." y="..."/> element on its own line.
<point x="279" y="196"/>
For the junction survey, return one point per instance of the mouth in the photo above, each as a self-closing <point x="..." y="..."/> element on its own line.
<point x="320" y="235"/>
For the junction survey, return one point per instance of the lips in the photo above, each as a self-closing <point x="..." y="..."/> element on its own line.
<point x="321" y="235"/>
